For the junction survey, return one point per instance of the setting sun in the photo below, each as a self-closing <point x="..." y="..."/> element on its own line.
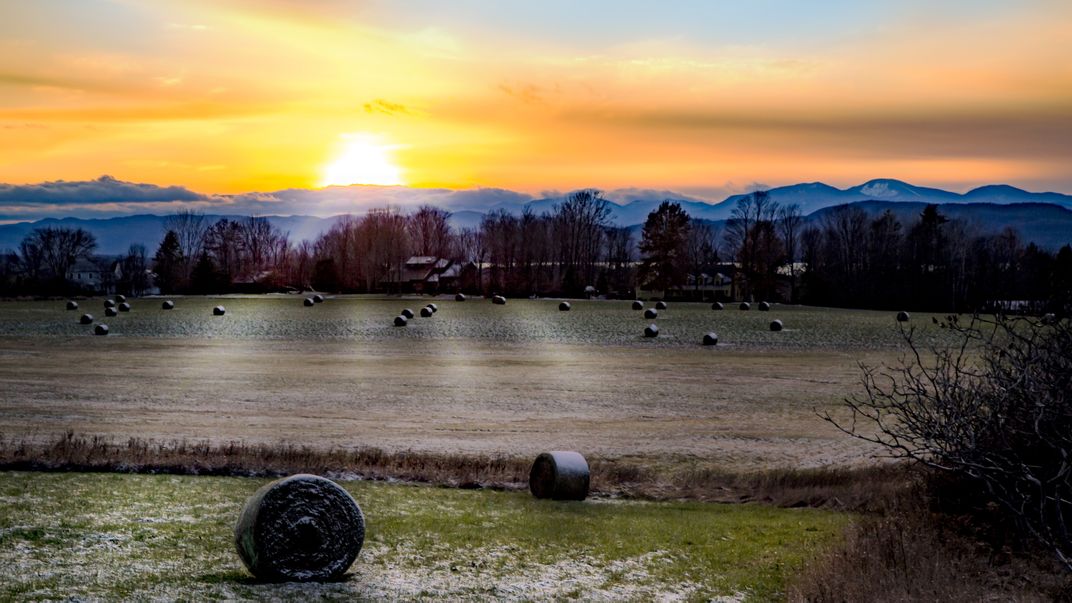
<point x="363" y="159"/>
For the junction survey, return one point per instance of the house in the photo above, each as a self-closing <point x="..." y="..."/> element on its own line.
<point x="95" y="274"/>
<point x="429" y="274"/>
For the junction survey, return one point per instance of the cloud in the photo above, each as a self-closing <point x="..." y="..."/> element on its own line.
<point x="386" y="108"/>
<point x="103" y="190"/>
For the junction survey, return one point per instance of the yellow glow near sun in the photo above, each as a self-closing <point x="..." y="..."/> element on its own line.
<point x="363" y="159"/>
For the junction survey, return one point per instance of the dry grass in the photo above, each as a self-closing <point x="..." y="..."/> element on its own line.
<point x="861" y="489"/>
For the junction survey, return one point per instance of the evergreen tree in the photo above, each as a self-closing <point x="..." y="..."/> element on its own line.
<point x="205" y="277"/>
<point x="663" y="247"/>
<point x="168" y="263"/>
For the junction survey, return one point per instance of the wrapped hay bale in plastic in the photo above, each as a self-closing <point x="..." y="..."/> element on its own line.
<point x="85" y="319"/>
<point x="72" y="305"/>
<point x="651" y="314"/>
<point x="651" y="330"/>
<point x="564" y="306"/>
<point x="167" y="305"/>
<point x="318" y="299"/>
<point x="710" y="338"/>
<point x="434" y="307"/>
<point x="400" y="321"/>
<point x="717" y="306"/>
<point x="764" y="306"/>
<point x="638" y="305"/>
<point x="776" y="325"/>
<point x="100" y="329"/>
<point x="120" y="299"/>
<point x="219" y="311"/>
<point x="559" y="475"/>
<point x="426" y="312"/>
<point x="745" y="306"/>
<point x="459" y="297"/>
<point x="407" y="313"/>
<point x="302" y="528"/>
<point x="308" y="302"/>
<point x="124" y="307"/>
<point x="498" y="299"/>
<point x="902" y="316"/>
<point x="660" y="305"/>
<point x="110" y="312"/>
<point x="109" y="303"/>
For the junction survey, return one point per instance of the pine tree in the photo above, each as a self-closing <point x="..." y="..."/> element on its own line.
<point x="663" y="247"/>
<point x="168" y="263"/>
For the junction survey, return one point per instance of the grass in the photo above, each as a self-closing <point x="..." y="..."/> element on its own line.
<point x="120" y="536"/>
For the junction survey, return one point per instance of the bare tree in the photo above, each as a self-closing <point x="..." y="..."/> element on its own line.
<point x="790" y="222"/>
<point x="429" y="231"/>
<point x="190" y="227"/>
<point x="50" y="252"/>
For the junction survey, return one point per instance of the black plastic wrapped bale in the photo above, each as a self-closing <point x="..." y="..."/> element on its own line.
<point x="638" y="305"/>
<point x="710" y="338"/>
<point x="651" y="330"/>
<point x="110" y="312"/>
<point x="100" y="329"/>
<point x="124" y="307"/>
<point x="434" y="307"/>
<point x="559" y="475"/>
<point x="776" y="325"/>
<point x="120" y="299"/>
<point x="745" y="306"/>
<point x="308" y="302"/>
<point x="318" y="299"/>
<point x="660" y="305"/>
<point x="407" y="313"/>
<point x="219" y="311"/>
<point x="764" y="306"/>
<point x="109" y="303"/>
<point x="459" y="297"/>
<point x="498" y="299"/>
<point x="651" y="314"/>
<point x="717" y="306"/>
<point x="167" y="305"/>
<point x="72" y="305"/>
<point x="902" y="316"/>
<point x="564" y="306"/>
<point x="86" y="319"/>
<point x="303" y="528"/>
<point x="400" y="321"/>
<point x="426" y="312"/>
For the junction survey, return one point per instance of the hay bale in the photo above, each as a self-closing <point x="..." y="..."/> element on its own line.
<point x="498" y="299"/>
<point x="660" y="305"/>
<point x="564" y="306"/>
<point x="72" y="305"/>
<point x="303" y="528"/>
<point x="308" y="302"/>
<point x="110" y="312"/>
<point x="651" y="314"/>
<point x="109" y="303"/>
<point x="400" y="321"/>
<point x="638" y="305"/>
<point x="717" y="306"/>
<point x="745" y="306"/>
<point x="710" y="338"/>
<point x="902" y="316"/>
<point x="219" y="311"/>
<point x="124" y="307"/>
<point x="764" y="306"/>
<point x="407" y="313"/>
<point x="651" y="330"/>
<point x="559" y="475"/>
<point x="459" y="297"/>
<point x="318" y="299"/>
<point x="776" y="325"/>
<point x="101" y="329"/>
<point x="120" y="299"/>
<point x="167" y="305"/>
<point x="426" y="312"/>
<point x="434" y="307"/>
<point x="85" y="319"/>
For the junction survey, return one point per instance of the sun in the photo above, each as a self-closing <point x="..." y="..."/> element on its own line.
<point x="363" y="159"/>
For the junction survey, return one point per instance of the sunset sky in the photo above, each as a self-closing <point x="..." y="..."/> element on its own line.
<point x="704" y="98"/>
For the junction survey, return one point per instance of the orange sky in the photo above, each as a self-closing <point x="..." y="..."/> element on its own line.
<point x="237" y="96"/>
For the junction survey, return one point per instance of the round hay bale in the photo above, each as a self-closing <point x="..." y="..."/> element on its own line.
<point x="902" y="316"/>
<point x="85" y="319"/>
<point x="638" y="305"/>
<point x="110" y="312"/>
<point x="651" y="314"/>
<point x="498" y="299"/>
<point x="776" y="325"/>
<point x="109" y="303"/>
<point x="407" y="313"/>
<point x="219" y="311"/>
<point x="459" y="297"/>
<point x="564" y="306"/>
<point x="400" y="321"/>
<point x="717" y="306"/>
<point x="660" y="305"/>
<point x="764" y="306"/>
<point x="651" y="330"/>
<point x="559" y="475"/>
<point x="72" y="305"/>
<point x="434" y="307"/>
<point x="101" y="329"/>
<point x="1049" y="318"/>
<point x="124" y="307"/>
<point x="308" y="302"/>
<point x="426" y="312"/>
<point x="303" y="528"/>
<point x="318" y="299"/>
<point x="167" y="305"/>
<point x="120" y="299"/>
<point x="710" y="338"/>
<point x="745" y="306"/>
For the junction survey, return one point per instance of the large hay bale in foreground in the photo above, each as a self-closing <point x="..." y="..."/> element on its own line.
<point x="776" y="325"/>
<point x="219" y="311"/>
<point x="498" y="299"/>
<point x="660" y="305"/>
<point x="651" y="314"/>
<point x="303" y="528"/>
<point x="651" y="330"/>
<point x="459" y="297"/>
<point x="86" y="319"/>
<point x="120" y="299"/>
<point x="710" y="338"/>
<point x="400" y="321"/>
<point x="72" y="305"/>
<point x="109" y="312"/>
<point x="764" y="306"/>
<point x="559" y="475"/>
<point x="564" y="306"/>
<point x="426" y="312"/>
<point x="167" y="305"/>
<point x="407" y="313"/>
<point x="101" y="329"/>
<point x="124" y="307"/>
<point x="109" y="303"/>
<point x="717" y="306"/>
<point x="745" y="306"/>
<point x="308" y="302"/>
<point x="318" y="299"/>
<point x="638" y="305"/>
<point x="902" y="316"/>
